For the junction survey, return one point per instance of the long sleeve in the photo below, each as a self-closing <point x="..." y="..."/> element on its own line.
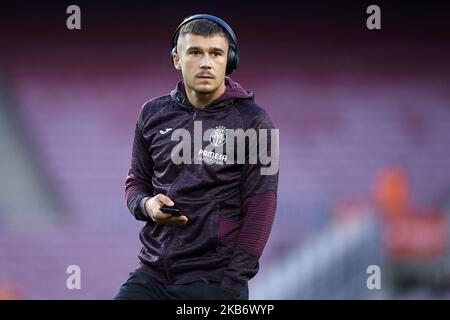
<point x="259" y="201"/>
<point x="138" y="183"/>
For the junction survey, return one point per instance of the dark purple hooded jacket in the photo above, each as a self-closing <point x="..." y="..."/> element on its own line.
<point x="230" y="207"/>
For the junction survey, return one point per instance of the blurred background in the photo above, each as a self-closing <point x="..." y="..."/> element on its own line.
<point x="364" y="119"/>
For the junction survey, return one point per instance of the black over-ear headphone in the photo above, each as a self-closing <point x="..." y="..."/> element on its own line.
<point x="233" y="50"/>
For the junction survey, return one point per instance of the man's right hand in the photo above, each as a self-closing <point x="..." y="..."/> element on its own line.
<point x="152" y="206"/>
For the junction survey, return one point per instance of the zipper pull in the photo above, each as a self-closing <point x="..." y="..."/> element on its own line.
<point x="194" y="115"/>
<point x="205" y="280"/>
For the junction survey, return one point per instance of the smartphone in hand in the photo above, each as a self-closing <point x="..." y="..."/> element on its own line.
<point x="170" y="210"/>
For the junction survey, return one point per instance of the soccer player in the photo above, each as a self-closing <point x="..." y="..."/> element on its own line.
<point x="209" y="249"/>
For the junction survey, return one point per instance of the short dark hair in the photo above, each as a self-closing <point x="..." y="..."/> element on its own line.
<point x="202" y="27"/>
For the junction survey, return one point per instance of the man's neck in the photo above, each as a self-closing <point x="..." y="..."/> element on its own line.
<point x="200" y="100"/>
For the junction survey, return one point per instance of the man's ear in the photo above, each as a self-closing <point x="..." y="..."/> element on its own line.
<point x="176" y="61"/>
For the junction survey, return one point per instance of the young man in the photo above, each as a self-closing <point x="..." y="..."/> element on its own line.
<point x="227" y="203"/>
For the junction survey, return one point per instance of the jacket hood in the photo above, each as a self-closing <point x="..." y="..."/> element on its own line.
<point x="234" y="91"/>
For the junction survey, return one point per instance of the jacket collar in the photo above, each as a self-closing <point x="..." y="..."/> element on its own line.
<point x="234" y="91"/>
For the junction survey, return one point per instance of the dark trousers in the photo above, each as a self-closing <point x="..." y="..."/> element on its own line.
<point x="141" y="286"/>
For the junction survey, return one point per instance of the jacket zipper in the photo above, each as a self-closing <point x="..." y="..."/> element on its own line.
<point x="172" y="187"/>
<point x="173" y="235"/>
<point x="166" y="270"/>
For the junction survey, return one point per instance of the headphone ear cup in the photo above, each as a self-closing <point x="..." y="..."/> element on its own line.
<point x="174" y="50"/>
<point x="232" y="60"/>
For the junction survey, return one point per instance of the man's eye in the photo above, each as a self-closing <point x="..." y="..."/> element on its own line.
<point x="217" y="54"/>
<point x="195" y="53"/>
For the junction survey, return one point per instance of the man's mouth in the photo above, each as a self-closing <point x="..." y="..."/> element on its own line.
<point x="205" y="76"/>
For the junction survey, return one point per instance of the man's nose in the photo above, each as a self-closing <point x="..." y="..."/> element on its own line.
<point x="205" y="62"/>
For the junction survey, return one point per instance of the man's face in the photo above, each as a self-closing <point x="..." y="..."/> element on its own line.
<point x="202" y="61"/>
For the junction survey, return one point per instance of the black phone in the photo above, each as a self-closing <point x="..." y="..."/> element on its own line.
<point x="170" y="210"/>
